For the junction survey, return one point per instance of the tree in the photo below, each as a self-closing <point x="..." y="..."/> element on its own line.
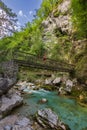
<point x="7" y="20"/>
<point x="46" y="8"/>
<point x="79" y="17"/>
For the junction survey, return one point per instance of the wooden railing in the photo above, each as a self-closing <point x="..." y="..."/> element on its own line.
<point x="30" y="60"/>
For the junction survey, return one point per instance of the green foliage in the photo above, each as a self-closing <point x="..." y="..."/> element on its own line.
<point x="46" y="7"/>
<point x="48" y="87"/>
<point x="81" y="69"/>
<point x="29" y="39"/>
<point x="79" y="17"/>
<point x="61" y="50"/>
<point x="56" y="13"/>
<point x="81" y="64"/>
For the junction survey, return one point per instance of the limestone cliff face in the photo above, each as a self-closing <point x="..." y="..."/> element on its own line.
<point x="58" y="30"/>
<point x="59" y="36"/>
<point x="60" y="18"/>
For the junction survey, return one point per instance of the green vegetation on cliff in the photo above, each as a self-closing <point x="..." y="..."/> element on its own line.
<point x="79" y="17"/>
<point x="30" y="38"/>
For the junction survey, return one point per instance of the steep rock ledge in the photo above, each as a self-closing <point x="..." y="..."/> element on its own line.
<point x="59" y="35"/>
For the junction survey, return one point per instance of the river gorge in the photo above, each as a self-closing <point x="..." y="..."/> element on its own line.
<point x="68" y="110"/>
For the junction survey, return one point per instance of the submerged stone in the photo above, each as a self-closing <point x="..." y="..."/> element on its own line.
<point x="43" y="100"/>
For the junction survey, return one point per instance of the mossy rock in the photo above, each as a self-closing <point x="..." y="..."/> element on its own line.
<point x="48" y="87"/>
<point x="81" y="69"/>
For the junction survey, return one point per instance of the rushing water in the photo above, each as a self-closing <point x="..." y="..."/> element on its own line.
<point x="67" y="109"/>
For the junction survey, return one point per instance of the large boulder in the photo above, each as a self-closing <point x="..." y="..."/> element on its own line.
<point x="8" y="103"/>
<point x="48" y="119"/>
<point x="5" y="85"/>
<point x="66" y="88"/>
<point x="16" y="123"/>
<point x="8" y="76"/>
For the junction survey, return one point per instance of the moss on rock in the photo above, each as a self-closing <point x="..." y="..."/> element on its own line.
<point x="81" y="69"/>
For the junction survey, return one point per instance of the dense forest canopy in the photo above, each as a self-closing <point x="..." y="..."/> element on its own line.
<point x="30" y="38"/>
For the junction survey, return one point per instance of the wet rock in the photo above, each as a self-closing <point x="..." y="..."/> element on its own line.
<point x="48" y="119"/>
<point x="8" y="103"/>
<point x="43" y="100"/>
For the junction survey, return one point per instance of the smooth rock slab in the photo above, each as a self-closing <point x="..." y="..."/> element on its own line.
<point x="7" y="104"/>
<point x="48" y="119"/>
<point x="15" y="123"/>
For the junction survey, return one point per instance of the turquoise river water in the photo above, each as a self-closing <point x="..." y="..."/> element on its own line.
<point x="68" y="110"/>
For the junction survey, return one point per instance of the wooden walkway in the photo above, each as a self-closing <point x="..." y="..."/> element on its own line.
<point x="29" y="60"/>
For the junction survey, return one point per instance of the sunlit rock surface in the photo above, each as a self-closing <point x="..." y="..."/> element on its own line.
<point x="48" y="119"/>
<point x="8" y="103"/>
